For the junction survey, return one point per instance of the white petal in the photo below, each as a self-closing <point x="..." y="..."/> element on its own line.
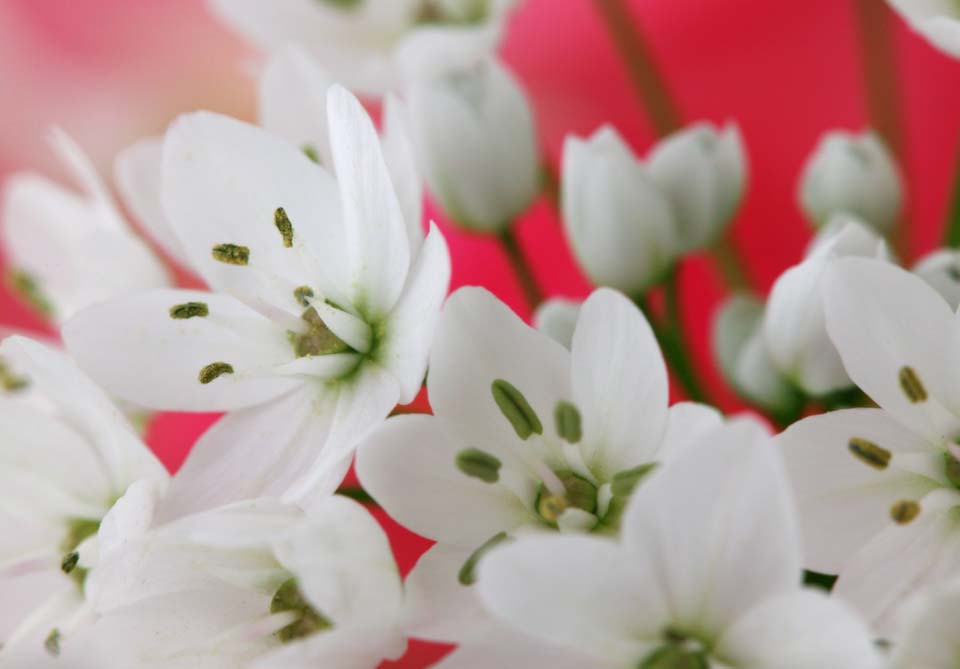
<point x="138" y="172"/>
<point x="411" y="325"/>
<point x="478" y="341"/>
<point x="843" y="501"/>
<point x="941" y="270"/>
<point x="884" y="319"/>
<point x="928" y="637"/>
<point x="125" y="342"/>
<point x="352" y="330"/>
<point x="718" y="524"/>
<point x="583" y="593"/>
<point x="557" y="318"/>
<point x="687" y="424"/>
<point x="401" y="159"/>
<point x="377" y="249"/>
<point x="409" y="466"/>
<point x="619" y="383"/>
<point x="799" y="630"/>
<point x="509" y="649"/>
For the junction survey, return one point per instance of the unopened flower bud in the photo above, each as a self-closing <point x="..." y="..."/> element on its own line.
<point x="941" y="269"/>
<point x="557" y="318"/>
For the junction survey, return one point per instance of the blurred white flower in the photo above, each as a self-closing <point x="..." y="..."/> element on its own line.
<point x="702" y="170"/>
<point x="373" y="46"/>
<point x="322" y="318"/>
<point x="794" y="329"/>
<point x="741" y="352"/>
<point x="557" y="318"/>
<point x="69" y="250"/>
<point x="941" y="269"/>
<point x="475" y="138"/>
<point x="878" y="489"/>
<point x="526" y="437"/>
<point x="257" y="584"/>
<point x="622" y="228"/>
<point x="937" y="20"/>
<point x="927" y="637"/>
<point x="706" y="574"/>
<point x="69" y="457"/>
<point x="852" y="174"/>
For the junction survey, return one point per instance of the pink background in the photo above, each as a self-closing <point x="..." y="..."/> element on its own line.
<point x="109" y="71"/>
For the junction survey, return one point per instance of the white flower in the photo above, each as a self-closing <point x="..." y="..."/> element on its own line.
<point x="526" y="437"/>
<point x="69" y="249"/>
<point x="937" y="20"/>
<point x="68" y="456"/>
<point x="941" y="269"/>
<point x="878" y="488"/>
<point x="622" y="228"/>
<point x="373" y="46"/>
<point x="741" y="351"/>
<point x="702" y="170"/>
<point x="476" y="141"/>
<point x="255" y="584"/>
<point x="322" y="317"/>
<point x="557" y="318"/>
<point x="794" y="329"/>
<point x="852" y="174"/>
<point x="928" y="636"/>
<point x="706" y="574"/>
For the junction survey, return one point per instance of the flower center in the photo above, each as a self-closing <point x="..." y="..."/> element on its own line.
<point x="680" y="651"/>
<point x="78" y="530"/>
<point x="318" y="339"/>
<point x="579" y="493"/>
<point x="308" y="621"/>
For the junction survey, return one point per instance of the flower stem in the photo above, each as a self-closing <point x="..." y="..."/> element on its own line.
<point x="731" y="264"/>
<point x="951" y="238"/>
<point x="358" y="494"/>
<point x="531" y="291"/>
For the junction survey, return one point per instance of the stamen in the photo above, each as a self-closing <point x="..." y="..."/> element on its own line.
<point x="911" y="385"/>
<point x="213" y="371"/>
<point x="567" y="418"/>
<point x="467" y="574"/>
<point x="479" y="464"/>
<point x="189" y="310"/>
<point x="303" y="294"/>
<point x="282" y="221"/>
<point x="231" y="254"/>
<point x="69" y="562"/>
<point x="52" y="643"/>
<point x="289" y="598"/>
<point x="516" y="409"/>
<point x="904" y="511"/>
<point x="310" y="151"/>
<point x="869" y="453"/>
<point x="624" y="482"/>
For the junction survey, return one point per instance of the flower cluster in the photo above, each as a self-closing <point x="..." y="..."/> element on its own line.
<point x="578" y="518"/>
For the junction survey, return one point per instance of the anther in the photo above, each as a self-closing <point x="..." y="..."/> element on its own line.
<point x="869" y="453"/>
<point x="282" y="221"/>
<point x="189" y="310"/>
<point x="467" y="574"/>
<point x="302" y="294"/>
<point x="213" y="371"/>
<point x="516" y="409"/>
<point x="231" y="254"/>
<point x="567" y="419"/>
<point x="69" y="562"/>
<point x="904" y="511"/>
<point x="479" y="464"/>
<point x="912" y="386"/>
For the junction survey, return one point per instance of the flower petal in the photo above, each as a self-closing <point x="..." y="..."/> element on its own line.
<point x="401" y="159"/>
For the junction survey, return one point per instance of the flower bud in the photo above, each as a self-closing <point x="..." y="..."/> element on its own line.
<point x="702" y="171"/>
<point x="475" y="139"/>
<point x="852" y="174"/>
<point x="620" y="225"/>
<point x="938" y="22"/>
<point x="557" y="318"/>
<point x="794" y="326"/>
<point x="742" y="354"/>
<point x="941" y="269"/>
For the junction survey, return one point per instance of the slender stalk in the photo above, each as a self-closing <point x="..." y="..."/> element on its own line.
<point x="675" y="323"/>
<point x="551" y="185"/>
<point x="730" y="264"/>
<point x="358" y="494"/>
<point x="531" y="291"/>
<point x="951" y="236"/>
<point x="673" y="352"/>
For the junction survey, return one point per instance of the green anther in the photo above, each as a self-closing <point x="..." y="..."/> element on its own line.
<point x="214" y="371"/>
<point x="69" y="562"/>
<point x="52" y="643"/>
<point x="282" y="221"/>
<point x="904" y="511"/>
<point x="952" y="469"/>
<point x="231" y="254"/>
<point x="624" y="482"/>
<point x="467" y="574"/>
<point x="318" y="339"/>
<point x="189" y="310"/>
<point x="516" y="409"/>
<point x="309" y="621"/>
<point x="479" y="464"/>
<point x="310" y="151"/>
<point x="567" y="418"/>
<point x="302" y="295"/>
<point x="27" y="287"/>
<point x="675" y="657"/>
<point x="9" y="381"/>
<point x="911" y="385"/>
<point x="869" y="453"/>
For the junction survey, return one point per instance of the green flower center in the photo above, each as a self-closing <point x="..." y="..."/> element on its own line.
<point x="579" y="494"/>
<point x="309" y="621"/>
<point x="679" y="651"/>
<point x="78" y="530"/>
<point x="318" y="338"/>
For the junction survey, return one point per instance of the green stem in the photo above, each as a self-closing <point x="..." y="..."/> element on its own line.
<point x="551" y="185"/>
<point x="731" y="264"/>
<point x="531" y="291"/>
<point x="952" y="236"/>
<point x="673" y="352"/>
<point x="358" y="494"/>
